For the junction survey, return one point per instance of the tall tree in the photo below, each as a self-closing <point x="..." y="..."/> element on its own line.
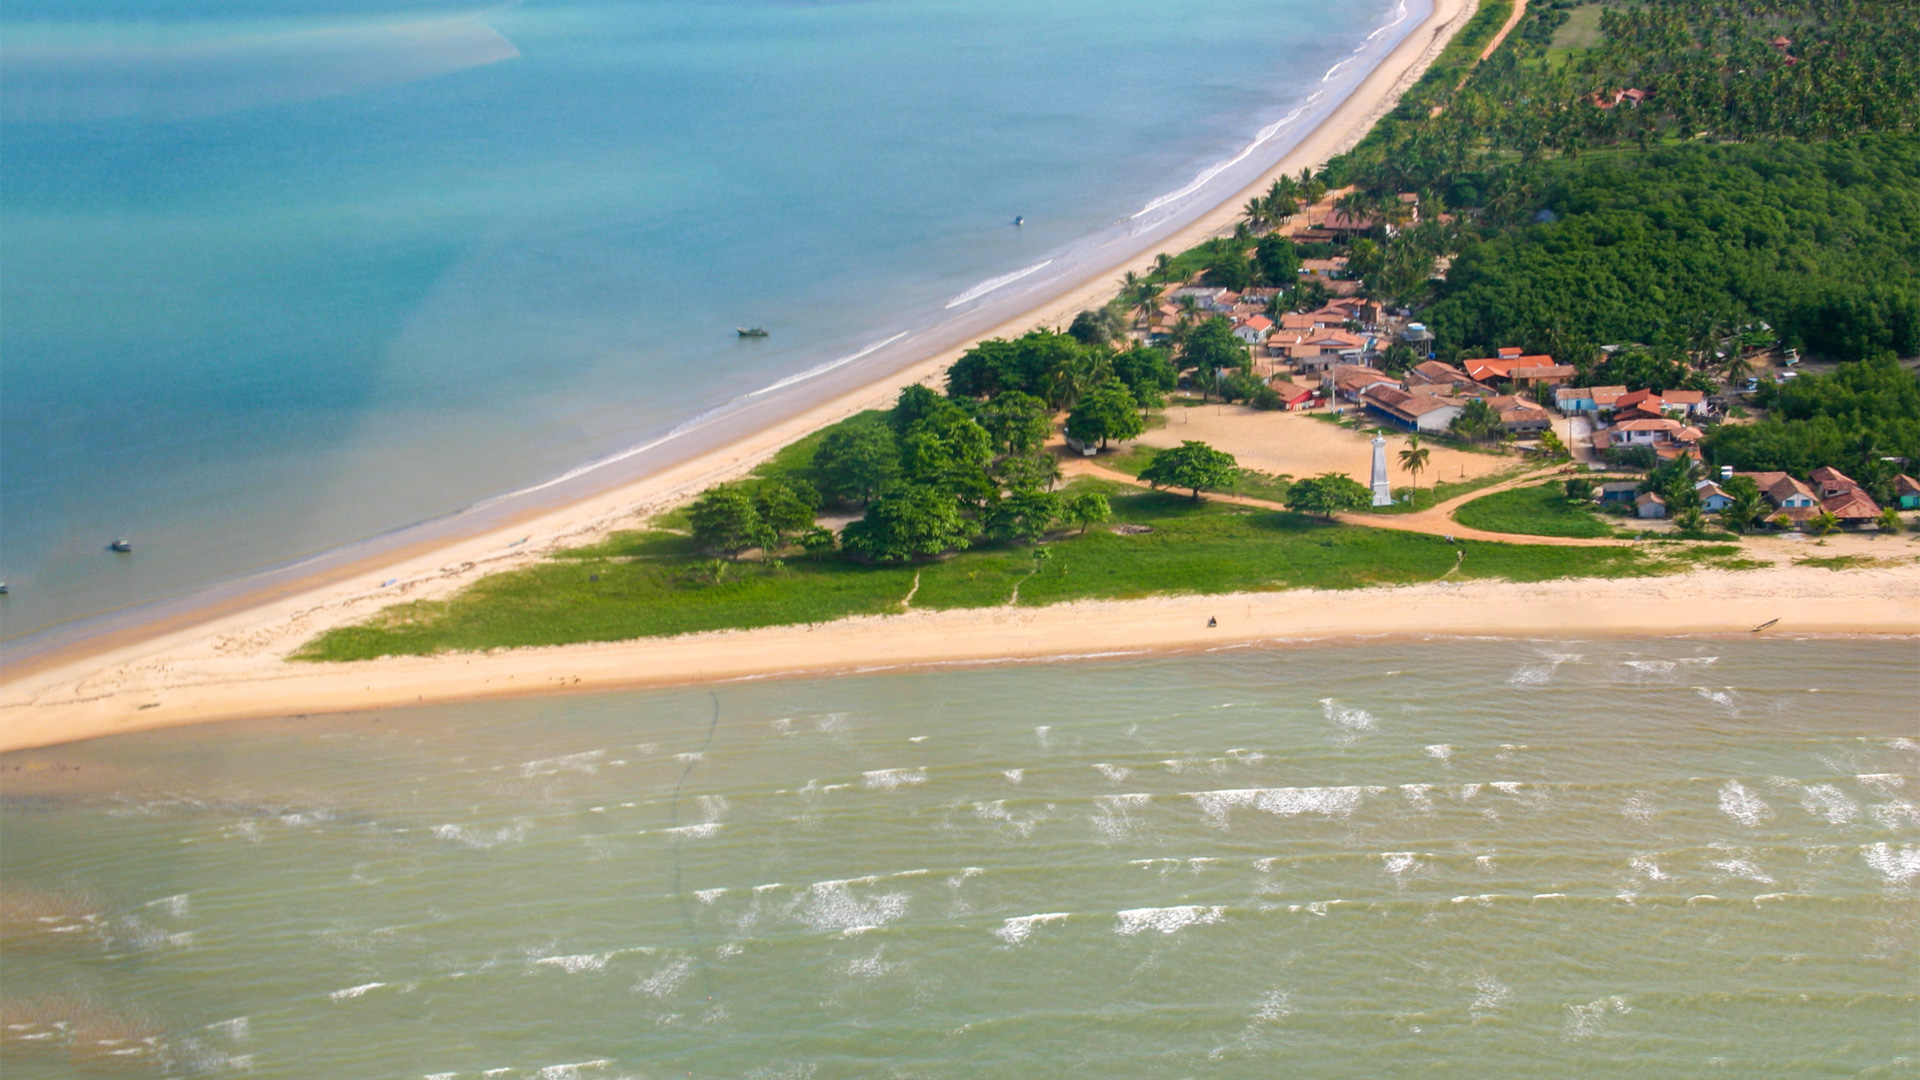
<point x="855" y="462"/>
<point x="1106" y="412"/>
<point x="726" y="520"/>
<point x="908" y="521"/>
<point x="1192" y="465"/>
<point x="1414" y="459"/>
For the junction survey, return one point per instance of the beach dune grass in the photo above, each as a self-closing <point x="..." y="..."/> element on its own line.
<point x="1538" y="510"/>
<point x="655" y="584"/>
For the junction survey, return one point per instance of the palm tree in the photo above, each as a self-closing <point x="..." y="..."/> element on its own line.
<point x="1163" y="266"/>
<point x="1256" y="211"/>
<point x="1414" y="460"/>
<point x="1738" y="367"/>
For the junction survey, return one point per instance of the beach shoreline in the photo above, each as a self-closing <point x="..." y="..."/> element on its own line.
<point x="271" y="620"/>
<point x="214" y="684"/>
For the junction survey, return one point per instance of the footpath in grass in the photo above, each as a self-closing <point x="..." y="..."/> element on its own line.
<point x="648" y="584"/>
<point x="1539" y="510"/>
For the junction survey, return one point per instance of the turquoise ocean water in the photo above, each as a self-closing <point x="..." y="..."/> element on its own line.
<point x="278" y="276"/>
<point x="1446" y="859"/>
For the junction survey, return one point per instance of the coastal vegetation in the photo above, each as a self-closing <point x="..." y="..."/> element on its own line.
<point x="652" y="583"/>
<point x="1855" y="419"/>
<point x="1650" y="199"/>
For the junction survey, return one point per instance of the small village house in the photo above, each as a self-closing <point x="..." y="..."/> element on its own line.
<point x="1649" y="505"/>
<point x="1426" y="413"/>
<point x="1906" y="492"/>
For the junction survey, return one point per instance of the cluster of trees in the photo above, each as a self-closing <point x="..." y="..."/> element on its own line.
<point x="933" y="475"/>
<point x="1710" y="68"/>
<point x="1855" y="420"/>
<point x="1821" y="241"/>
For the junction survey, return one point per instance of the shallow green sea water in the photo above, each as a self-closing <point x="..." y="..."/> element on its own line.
<point x="1453" y="858"/>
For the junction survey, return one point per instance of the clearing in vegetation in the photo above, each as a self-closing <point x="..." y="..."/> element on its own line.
<point x="1540" y="510"/>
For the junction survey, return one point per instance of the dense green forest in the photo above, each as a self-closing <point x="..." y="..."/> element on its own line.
<point x="1855" y="419"/>
<point x="1767" y="170"/>
<point x="1820" y="240"/>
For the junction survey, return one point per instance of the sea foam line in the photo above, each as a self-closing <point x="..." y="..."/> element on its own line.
<point x="1265" y="134"/>
<point x="821" y="369"/>
<point x="991" y="284"/>
<point x="698" y="421"/>
<point x="1260" y="138"/>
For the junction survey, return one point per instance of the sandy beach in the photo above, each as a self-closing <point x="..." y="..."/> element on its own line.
<point x="230" y="663"/>
<point x="216" y="679"/>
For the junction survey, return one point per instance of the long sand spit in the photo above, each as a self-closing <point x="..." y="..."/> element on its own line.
<point x="235" y="651"/>
<point x="210" y="680"/>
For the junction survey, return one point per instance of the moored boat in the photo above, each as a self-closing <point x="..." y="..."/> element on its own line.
<point x="750" y="331"/>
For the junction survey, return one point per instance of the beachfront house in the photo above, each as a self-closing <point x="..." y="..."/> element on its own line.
<point x="1906" y="491"/>
<point x="1828" y="481"/>
<point x="1713" y="497"/>
<point x="1619" y="491"/>
<point x="1853" y="507"/>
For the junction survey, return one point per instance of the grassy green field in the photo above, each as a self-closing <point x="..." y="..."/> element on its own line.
<point x="1540" y="510"/>
<point x="646" y="584"/>
<point x="1427" y="496"/>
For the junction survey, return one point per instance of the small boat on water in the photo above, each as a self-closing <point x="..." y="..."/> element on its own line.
<point x="750" y="331"/>
<point x="122" y="545"/>
<point x="3" y="588"/>
<point x="1020" y="219"/>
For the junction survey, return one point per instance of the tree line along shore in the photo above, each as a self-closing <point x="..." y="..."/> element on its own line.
<point x="1668" y="197"/>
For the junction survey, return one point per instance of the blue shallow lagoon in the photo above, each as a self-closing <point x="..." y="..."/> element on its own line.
<point x="282" y="275"/>
<point x="1445" y="859"/>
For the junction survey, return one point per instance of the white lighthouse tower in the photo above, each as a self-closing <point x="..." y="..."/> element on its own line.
<point x="1382" y="487"/>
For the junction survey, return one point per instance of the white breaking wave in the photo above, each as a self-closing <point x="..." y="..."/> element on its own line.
<point x="991" y="284"/>
<point x="1742" y="805"/>
<point x="831" y="905"/>
<point x="352" y="992"/>
<point x="1330" y="802"/>
<point x="573" y="965"/>
<point x="1166" y="920"/>
<point x="1493" y="994"/>
<point x="1350" y="718"/>
<point x="893" y="779"/>
<point x="665" y="981"/>
<point x="1827" y="801"/>
<point x="1016" y="930"/>
<point x="587" y="761"/>
<point x="1897" y="864"/>
<point x="1585" y="1021"/>
<point x="821" y="369"/>
<point x="481" y="841"/>
<point x="1400" y="863"/>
